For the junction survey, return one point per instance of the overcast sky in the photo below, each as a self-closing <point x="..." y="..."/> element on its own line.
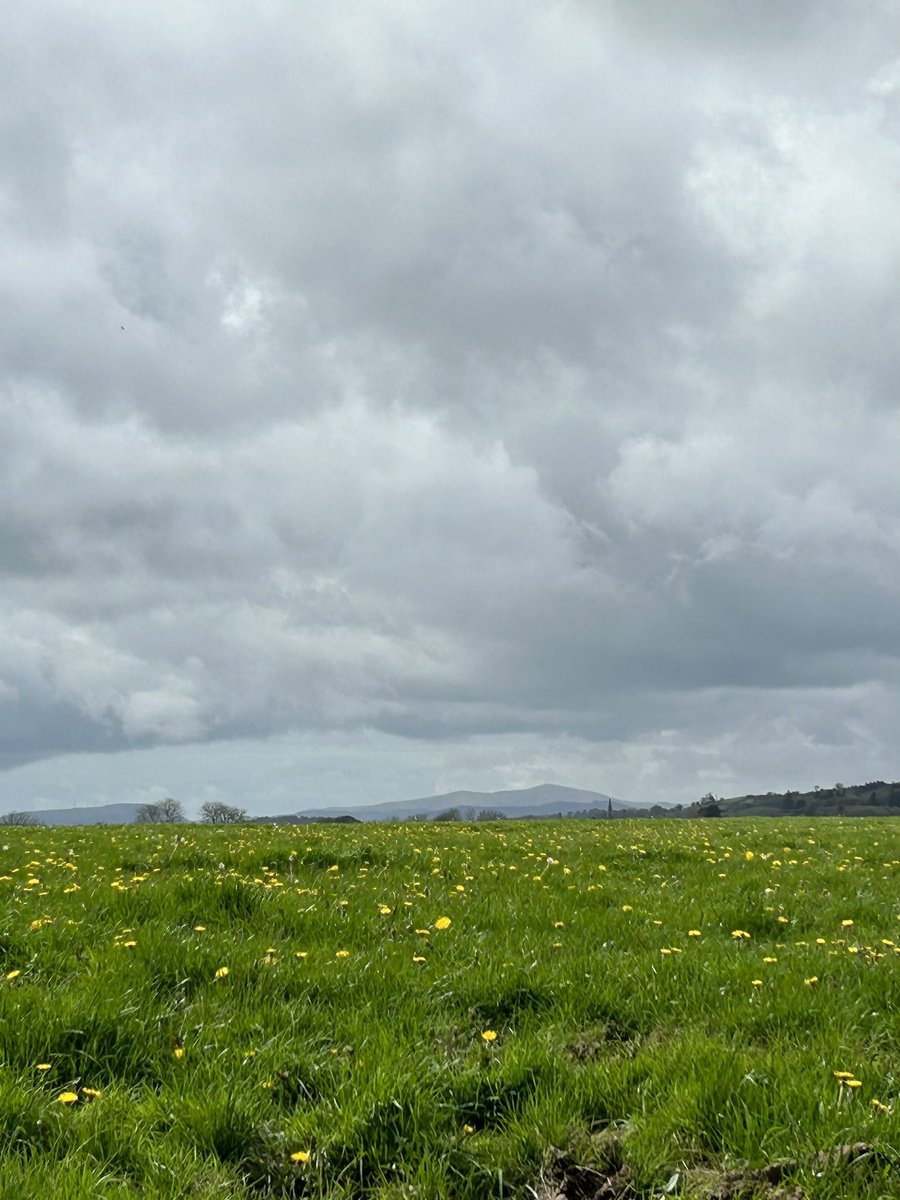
<point x="404" y="396"/>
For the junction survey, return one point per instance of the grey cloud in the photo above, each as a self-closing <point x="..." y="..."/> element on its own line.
<point x="491" y="384"/>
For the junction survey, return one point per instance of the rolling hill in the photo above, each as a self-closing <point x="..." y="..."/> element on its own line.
<point x="545" y="800"/>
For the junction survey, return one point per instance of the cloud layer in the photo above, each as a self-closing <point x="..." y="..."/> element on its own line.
<point x="477" y="394"/>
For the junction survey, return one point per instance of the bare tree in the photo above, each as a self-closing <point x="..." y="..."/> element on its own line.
<point x="163" y="812"/>
<point x="19" y="818"/>
<point x="172" y="811"/>
<point x="214" y="812"/>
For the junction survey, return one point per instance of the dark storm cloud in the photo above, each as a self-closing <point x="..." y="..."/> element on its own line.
<point x="477" y="377"/>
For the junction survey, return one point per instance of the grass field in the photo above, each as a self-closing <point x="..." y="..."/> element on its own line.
<point x="505" y="1010"/>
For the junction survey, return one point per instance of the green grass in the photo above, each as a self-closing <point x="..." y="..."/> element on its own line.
<point x="620" y="1038"/>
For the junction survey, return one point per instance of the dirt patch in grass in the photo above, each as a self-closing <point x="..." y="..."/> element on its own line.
<point x="566" y="1179"/>
<point x="773" y="1181"/>
<point x="595" y="1169"/>
<point x="592" y="1169"/>
<point x="604" y="1037"/>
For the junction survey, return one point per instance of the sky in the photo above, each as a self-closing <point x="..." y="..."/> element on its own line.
<point x="403" y="396"/>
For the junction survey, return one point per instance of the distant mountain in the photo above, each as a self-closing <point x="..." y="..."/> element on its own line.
<point x="876" y="798"/>
<point x="545" y="800"/>
<point x="101" y="814"/>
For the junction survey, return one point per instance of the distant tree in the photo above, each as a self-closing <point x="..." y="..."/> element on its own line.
<point x="214" y="812"/>
<point x="490" y="814"/>
<point x="171" y="811"/>
<point x="19" y="818"/>
<point x="709" y="806"/>
<point x="448" y="814"/>
<point x="163" y="812"/>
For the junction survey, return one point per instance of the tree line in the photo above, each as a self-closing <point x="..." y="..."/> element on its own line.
<point x="171" y="812"/>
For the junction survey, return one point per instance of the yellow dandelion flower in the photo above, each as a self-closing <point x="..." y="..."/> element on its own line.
<point x="749" y="855"/>
<point x="13" y="974"/>
<point x="852" y="1083"/>
<point x="813" y="979"/>
<point x="199" y="929"/>
<point x="770" y="958"/>
<point x="756" y="982"/>
<point x="443" y="923"/>
<point x="471" y="1128"/>
<point x="694" y="933"/>
<point x="843" y="1074"/>
<point x="91" y="1092"/>
<point x="43" y="1066"/>
<point x="343" y="954"/>
<point x="300" y="1156"/>
<point x="301" y="953"/>
<point x="221" y="973"/>
<point x="739" y="933"/>
<point x="877" y="1104"/>
<point x="627" y="908"/>
<point x="67" y="1098"/>
<point x="846" y="924"/>
<point x="418" y="958"/>
<point x="384" y="909"/>
<point x="489" y="1035"/>
<point x="178" y="1052"/>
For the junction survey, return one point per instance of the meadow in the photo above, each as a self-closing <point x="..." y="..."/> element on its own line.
<point x="570" y="1009"/>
